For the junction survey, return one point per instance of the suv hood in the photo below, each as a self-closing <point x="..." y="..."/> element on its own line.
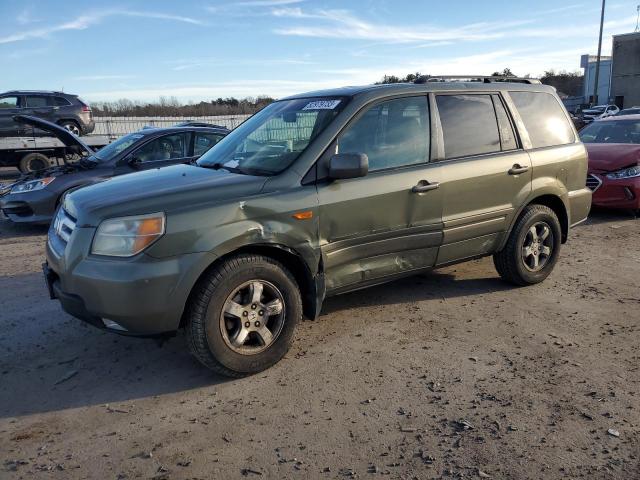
<point x="158" y="190"/>
<point x="608" y="157"/>
<point x="62" y="134"/>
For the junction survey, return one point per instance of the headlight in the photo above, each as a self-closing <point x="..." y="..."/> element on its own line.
<point x="625" y="173"/>
<point x="128" y="236"/>
<point x="32" y="185"/>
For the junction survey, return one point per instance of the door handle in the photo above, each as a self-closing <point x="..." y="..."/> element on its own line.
<point x="517" y="169"/>
<point x="424" y="186"/>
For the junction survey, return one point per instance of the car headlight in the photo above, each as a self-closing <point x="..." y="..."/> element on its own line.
<point x="32" y="185"/>
<point x="128" y="236"/>
<point x="629" y="172"/>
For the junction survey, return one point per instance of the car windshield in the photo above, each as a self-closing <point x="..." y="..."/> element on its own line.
<point x="273" y="138"/>
<point x="630" y="111"/>
<point x="605" y="131"/>
<point x="121" y="144"/>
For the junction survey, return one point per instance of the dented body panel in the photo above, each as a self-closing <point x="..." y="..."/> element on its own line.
<point x="341" y="235"/>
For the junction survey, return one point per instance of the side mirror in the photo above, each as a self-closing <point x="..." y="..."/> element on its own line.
<point x="133" y="161"/>
<point x="348" y="165"/>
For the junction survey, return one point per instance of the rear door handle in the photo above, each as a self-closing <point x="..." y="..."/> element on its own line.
<point x="424" y="186"/>
<point x="517" y="169"/>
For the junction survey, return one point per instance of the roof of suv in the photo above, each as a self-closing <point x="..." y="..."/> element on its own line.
<point x="39" y="92"/>
<point x="392" y="88"/>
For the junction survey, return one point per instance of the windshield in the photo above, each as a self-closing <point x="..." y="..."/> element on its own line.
<point x="273" y="138"/>
<point x="606" y="131"/>
<point x="121" y="144"/>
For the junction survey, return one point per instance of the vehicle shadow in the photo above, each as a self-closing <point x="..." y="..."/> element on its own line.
<point x="50" y="361"/>
<point x="8" y="229"/>
<point x="437" y="284"/>
<point x="600" y="215"/>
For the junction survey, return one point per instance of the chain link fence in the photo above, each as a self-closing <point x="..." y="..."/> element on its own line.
<point x="118" y="126"/>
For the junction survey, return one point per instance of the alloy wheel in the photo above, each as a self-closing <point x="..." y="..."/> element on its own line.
<point x="73" y="128"/>
<point x="537" y="247"/>
<point x="252" y="317"/>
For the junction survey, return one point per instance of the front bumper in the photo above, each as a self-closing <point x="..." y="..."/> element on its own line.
<point x="142" y="295"/>
<point x="29" y="207"/>
<point x="619" y="193"/>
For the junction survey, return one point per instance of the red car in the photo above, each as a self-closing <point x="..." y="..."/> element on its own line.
<point x="613" y="144"/>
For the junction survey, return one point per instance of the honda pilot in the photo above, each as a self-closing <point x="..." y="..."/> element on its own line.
<point x="316" y="195"/>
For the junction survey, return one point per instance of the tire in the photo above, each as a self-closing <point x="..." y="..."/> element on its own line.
<point x="72" y="126"/>
<point x="33" y="162"/>
<point x="223" y="305"/>
<point x="516" y="263"/>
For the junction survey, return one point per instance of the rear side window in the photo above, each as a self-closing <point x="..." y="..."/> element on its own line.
<point x="544" y="119"/>
<point x="469" y="125"/>
<point x="38" y="101"/>
<point x="61" y="102"/>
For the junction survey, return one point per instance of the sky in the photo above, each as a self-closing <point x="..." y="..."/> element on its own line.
<point x="204" y="49"/>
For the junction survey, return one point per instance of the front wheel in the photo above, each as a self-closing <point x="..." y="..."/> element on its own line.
<point x="533" y="247"/>
<point x="242" y="315"/>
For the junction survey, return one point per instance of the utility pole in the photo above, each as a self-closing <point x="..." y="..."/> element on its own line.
<point x="594" y="100"/>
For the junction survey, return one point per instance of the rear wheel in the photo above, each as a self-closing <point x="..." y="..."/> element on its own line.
<point x="242" y="316"/>
<point x="33" y="162"/>
<point x="72" y="126"/>
<point x="533" y="247"/>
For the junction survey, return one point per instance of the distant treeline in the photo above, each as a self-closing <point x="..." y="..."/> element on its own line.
<point x="171" y="107"/>
<point x="567" y="83"/>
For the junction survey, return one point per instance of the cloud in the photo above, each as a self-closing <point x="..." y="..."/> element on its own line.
<point x="238" y="88"/>
<point x="342" y="24"/>
<point x="243" y="5"/>
<point x="216" y="62"/>
<point x="82" y="22"/>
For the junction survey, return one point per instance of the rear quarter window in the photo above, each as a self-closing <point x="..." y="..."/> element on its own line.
<point x="544" y="118"/>
<point x="61" y="102"/>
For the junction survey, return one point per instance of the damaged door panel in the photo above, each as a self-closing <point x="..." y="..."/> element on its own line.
<point x="391" y="220"/>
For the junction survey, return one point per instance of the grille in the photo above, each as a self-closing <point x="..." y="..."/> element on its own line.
<point x="63" y="225"/>
<point x="593" y="182"/>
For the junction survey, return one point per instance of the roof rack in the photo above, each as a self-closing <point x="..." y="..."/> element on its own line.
<point x="476" y="78"/>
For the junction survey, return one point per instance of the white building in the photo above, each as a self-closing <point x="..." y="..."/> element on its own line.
<point x="588" y="63"/>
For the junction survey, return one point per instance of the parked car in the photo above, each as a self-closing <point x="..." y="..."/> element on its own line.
<point x="35" y="197"/>
<point x="613" y="145"/>
<point x="629" y="111"/>
<point x="599" y="111"/>
<point x="60" y="108"/>
<point x="578" y="122"/>
<point x="316" y="195"/>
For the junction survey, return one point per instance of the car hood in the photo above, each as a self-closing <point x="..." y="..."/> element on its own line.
<point x="62" y="134"/>
<point x="608" y="157"/>
<point x="157" y="190"/>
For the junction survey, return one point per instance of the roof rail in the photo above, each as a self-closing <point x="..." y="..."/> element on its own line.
<point x="476" y="78"/>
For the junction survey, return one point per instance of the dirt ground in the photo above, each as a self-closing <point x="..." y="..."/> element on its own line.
<point x="452" y="374"/>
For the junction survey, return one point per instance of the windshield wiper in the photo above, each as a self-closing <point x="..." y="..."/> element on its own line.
<point x="218" y="166"/>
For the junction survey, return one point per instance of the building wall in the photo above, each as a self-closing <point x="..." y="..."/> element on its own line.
<point x="625" y="71"/>
<point x="588" y="63"/>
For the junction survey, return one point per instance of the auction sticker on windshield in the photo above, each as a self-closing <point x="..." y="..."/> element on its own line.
<point x="322" y="105"/>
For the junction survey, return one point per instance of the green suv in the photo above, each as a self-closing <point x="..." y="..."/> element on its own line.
<point x="319" y="194"/>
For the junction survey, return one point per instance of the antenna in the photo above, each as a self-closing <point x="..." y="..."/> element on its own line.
<point x="638" y="20"/>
